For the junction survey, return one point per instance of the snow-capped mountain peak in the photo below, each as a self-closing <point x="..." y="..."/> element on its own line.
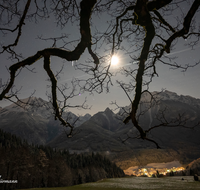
<point x="33" y="105"/>
<point x="167" y="95"/>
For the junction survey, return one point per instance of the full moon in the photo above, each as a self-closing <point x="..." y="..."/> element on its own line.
<point x="114" y="60"/>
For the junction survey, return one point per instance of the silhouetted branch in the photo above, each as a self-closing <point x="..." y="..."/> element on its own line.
<point x="140" y="29"/>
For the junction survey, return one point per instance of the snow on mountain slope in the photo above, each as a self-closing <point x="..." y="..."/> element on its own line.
<point x="33" y="105"/>
<point x="33" y="120"/>
<point x="24" y="125"/>
<point x="167" y="95"/>
<point x="40" y="107"/>
<point x="149" y="108"/>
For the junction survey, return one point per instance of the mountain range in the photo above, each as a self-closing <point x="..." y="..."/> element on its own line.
<point x="104" y="131"/>
<point x="32" y="119"/>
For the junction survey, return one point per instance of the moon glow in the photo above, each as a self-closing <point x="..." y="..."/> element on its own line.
<point x="114" y="60"/>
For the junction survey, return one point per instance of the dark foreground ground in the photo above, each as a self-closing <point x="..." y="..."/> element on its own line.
<point x="136" y="183"/>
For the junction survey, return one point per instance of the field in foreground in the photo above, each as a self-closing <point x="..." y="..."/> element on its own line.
<point x="136" y="183"/>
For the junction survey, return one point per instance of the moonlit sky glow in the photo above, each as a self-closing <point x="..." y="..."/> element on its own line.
<point x="114" y="60"/>
<point x="185" y="83"/>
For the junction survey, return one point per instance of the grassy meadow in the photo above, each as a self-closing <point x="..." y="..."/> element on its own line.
<point x="135" y="183"/>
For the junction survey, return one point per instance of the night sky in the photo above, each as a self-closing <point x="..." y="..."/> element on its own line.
<point x="185" y="83"/>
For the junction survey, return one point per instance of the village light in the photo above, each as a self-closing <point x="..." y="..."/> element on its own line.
<point x="153" y="171"/>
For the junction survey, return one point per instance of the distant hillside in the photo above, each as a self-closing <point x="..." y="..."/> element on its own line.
<point x="40" y="166"/>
